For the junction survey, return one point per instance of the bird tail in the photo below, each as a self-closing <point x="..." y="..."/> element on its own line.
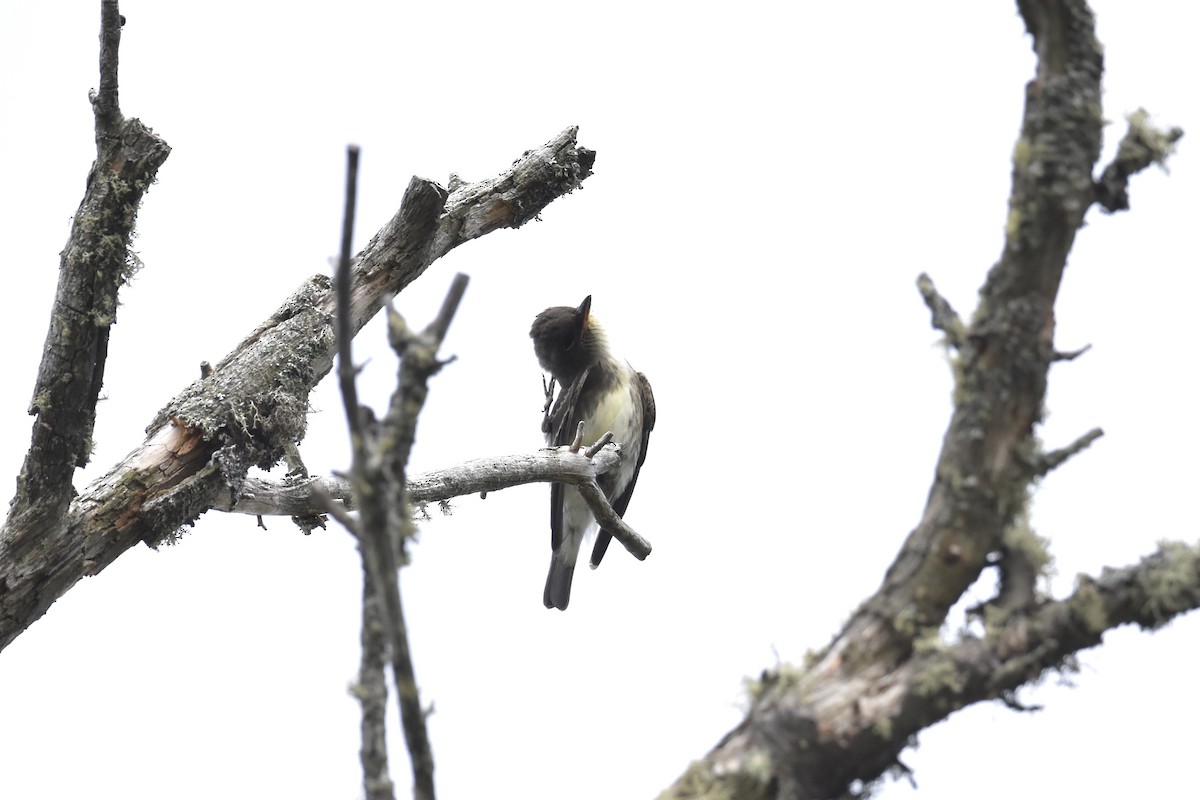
<point x="558" y="583"/>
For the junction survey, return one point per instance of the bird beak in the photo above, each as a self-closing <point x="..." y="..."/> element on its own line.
<point x="581" y="315"/>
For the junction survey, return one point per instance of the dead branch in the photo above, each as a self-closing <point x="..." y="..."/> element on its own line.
<point x="96" y="262"/>
<point x="254" y="404"/>
<point x="812" y="731"/>
<point x="942" y="315"/>
<point x="294" y="497"/>
<point x="1142" y="145"/>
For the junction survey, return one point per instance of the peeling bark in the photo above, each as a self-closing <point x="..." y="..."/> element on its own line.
<point x="252" y="407"/>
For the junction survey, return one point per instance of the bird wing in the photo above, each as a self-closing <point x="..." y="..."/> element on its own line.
<point x="622" y="502"/>
<point x="560" y="428"/>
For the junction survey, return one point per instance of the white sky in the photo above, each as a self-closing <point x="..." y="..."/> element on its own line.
<point x="769" y="184"/>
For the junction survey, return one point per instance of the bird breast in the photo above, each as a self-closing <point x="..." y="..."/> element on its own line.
<point x="619" y="411"/>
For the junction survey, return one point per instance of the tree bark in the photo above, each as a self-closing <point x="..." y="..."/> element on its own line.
<point x="252" y="406"/>
<point x="828" y="728"/>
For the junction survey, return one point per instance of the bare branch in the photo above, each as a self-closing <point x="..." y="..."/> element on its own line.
<point x="1010" y="701"/>
<point x="106" y="104"/>
<point x="345" y="333"/>
<point x="378" y="618"/>
<point x="845" y="722"/>
<point x="318" y="500"/>
<point x="944" y="317"/>
<point x="302" y="498"/>
<point x="254" y="404"/>
<point x="267" y="497"/>
<point x="418" y="363"/>
<point x="378" y="477"/>
<point x="1056" y="458"/>
<point x="96" y="262"/>
<point x="610" y="521"/>
<point x="436" y="330"/>
<point x="412" y="715"/>
<point x="380" y="454"/>
<point x="599" y="445"/>
<point x="371" y="693"/>
<point x="812" y="731"/>
<point x="1149" y="594"/>
<point x="1142" y="145"/>
<point x="1070" y="355"/>
<point x="493" y="474"/>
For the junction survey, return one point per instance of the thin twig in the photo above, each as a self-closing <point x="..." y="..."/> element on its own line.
<point x="436" y="329"/>
<point x="1009" y="699"/>
<point x="1142" y="145"/>
<point x="944" y="317"/>
<point x="611" y="522"/>
<point x="345" y="330"/>
<point x="322" y="502"/>
<point x="379" y="568"/>
<point x="599" y="445"/>
<point x="1070" y="355"/>
<point x="412" y="715"/>
<point x="1056" y="458"/>
<point x="418" y="362"/>
<point x="334" y="495"/>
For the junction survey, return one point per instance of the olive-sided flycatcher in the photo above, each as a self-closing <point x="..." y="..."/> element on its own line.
<point x="606" y="394"/>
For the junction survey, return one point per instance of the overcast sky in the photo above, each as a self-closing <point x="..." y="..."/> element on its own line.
<point x="769" y="183"/>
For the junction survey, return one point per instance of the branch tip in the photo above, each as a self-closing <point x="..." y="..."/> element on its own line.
<point x="106" y="100"/>
<point x="1143" y="145"/>
<point x="441" y="323"/>
<point x="610" y="521"/>
<point x="599" y="445"/>
<point x="1009" y="699"/>
<point x="1056" y="458"/>
<point x="943" y="317"/>
<point x="1070" y="355"/>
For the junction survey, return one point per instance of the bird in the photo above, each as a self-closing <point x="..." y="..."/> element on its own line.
<point x="606" y="394"/>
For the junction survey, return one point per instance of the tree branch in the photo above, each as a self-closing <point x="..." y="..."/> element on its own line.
<point x="371" y="692"/>
<point x="846" y="716"/>
<point x="1142" y="145"/>
<point x="294" y="497"/>
<point x="347" y="371"/>
<point x="253" y="406"/>
<point x="378" y="476"/>
<point x="106" y="104"/>
<point x="1054" y="459"/>
<point x="95" y="264"/>
<point x="1148" y="594"/>
<point x="381" y="596"/>
<point x="851" y="724"/>
<point x="943" y="316"/>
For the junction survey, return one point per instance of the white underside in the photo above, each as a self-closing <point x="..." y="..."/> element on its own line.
<point x="618" y="415"/>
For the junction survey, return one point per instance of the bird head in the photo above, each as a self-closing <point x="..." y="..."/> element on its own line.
<point x="566" y="340"/>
